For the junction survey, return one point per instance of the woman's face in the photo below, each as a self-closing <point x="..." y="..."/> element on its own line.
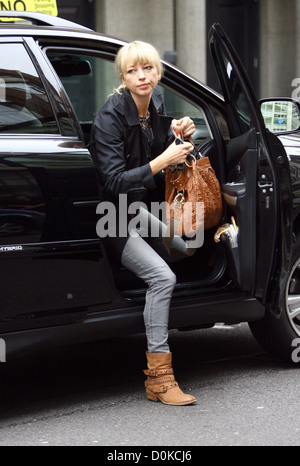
<point x="140" y="79"/>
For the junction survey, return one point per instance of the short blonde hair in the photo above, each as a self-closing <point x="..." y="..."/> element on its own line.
<point x="138" y="52"/>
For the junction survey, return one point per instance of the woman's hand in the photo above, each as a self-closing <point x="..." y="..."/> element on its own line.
<point x="184" y="127"/>
<point x="175" y="154"/>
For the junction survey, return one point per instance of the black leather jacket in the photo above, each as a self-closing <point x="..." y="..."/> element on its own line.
<point x="121" y="150"/>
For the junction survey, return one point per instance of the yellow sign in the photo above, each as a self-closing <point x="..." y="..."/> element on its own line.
<point x="40" y="6"/>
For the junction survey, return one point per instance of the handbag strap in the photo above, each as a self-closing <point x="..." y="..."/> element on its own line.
<point x="173" y="224"/>
<point x="190" y="139"/>
<point x="179" y="140"/>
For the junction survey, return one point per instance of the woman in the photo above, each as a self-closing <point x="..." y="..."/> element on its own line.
<point x="131" y="145"/>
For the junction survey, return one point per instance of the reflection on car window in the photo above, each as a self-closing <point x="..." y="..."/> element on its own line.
<point x="229" y="69"/>
<point x="235" y="92"/>
<point x="178" y="107"/>
<point x="238" y="97"/>
<point x="88" y="80"/>
<point x="280" y="116"/>
<point x="24" y="106"/>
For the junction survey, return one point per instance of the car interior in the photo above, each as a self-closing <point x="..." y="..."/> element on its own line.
<point x="207" y="265"/>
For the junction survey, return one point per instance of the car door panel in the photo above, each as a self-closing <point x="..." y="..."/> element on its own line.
<point x="57" y="264"/>
<point x="258" y="180"/>
<point x="55" y="268"/>
<point x="237" y="193"/>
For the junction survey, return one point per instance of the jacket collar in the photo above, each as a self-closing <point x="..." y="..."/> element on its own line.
<point x="130" y="110"/>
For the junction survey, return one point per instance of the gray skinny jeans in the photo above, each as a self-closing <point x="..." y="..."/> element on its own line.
<point x="145" y="259"/>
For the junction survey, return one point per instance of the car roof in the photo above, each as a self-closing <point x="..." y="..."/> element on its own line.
<point x="41" y="25"/>
<point x="39" y="19"/>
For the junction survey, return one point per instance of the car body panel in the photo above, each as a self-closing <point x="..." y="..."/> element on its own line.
<point x="63" y="245"/>
<point x="267" y="179"/>
<point x="58" y="282"/>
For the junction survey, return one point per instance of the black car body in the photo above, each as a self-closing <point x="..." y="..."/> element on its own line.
<point x="58" y="282"/>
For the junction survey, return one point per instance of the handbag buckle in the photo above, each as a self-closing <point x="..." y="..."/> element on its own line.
<point x="179" y="198"/>
<point x="193" y="160"/>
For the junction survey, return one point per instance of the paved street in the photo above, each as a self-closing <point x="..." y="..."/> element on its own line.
<point x="93" y="395"/>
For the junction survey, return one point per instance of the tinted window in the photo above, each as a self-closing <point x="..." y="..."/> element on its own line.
<point x="232" y="88"/>
<point x="89" y="79"/>
<point x="24" y="105"/>
<point x="177" y="107"/>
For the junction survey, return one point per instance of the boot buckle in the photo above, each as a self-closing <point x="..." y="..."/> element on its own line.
<point x="163" y="389"/>
<point x="155" y="373"/>
<point x="150" y="372"/>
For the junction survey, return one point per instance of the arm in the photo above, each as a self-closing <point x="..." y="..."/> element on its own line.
<point x="108" y="151"/>
<point x="173" y="155"/>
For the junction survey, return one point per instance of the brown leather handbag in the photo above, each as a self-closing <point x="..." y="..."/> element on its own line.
<point x="185" y="187"/>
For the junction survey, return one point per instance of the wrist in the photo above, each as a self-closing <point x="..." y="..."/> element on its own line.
<point x="158" y="164"/>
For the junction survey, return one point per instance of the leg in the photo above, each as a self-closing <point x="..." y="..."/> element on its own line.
<point x="156" y="229"/>
<point x="140" y="258"/>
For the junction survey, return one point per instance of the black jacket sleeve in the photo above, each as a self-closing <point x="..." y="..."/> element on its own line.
<point x="108" y="151"/>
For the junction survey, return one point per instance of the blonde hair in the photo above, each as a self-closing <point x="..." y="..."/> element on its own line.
<point x="138" y="52"/>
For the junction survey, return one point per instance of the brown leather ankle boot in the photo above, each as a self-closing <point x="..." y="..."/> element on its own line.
<point x="161" y="384"/>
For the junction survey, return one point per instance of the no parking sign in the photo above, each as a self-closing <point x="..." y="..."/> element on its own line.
<point x="41" y="6"/>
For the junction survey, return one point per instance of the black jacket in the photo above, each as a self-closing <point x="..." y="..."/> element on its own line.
<point x="121" y="151"/>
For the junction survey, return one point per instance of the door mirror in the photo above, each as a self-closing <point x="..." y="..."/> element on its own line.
<point x="281" y="115"/>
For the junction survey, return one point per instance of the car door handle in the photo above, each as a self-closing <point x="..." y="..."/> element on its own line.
<point x="85" y="203"/>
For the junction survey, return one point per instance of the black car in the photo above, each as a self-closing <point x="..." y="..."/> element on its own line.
<point x="59" y="283"/>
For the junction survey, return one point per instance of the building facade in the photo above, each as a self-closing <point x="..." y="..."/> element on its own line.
<point x="264" y="33"/>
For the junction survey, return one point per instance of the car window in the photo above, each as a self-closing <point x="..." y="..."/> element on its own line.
<point x="178" y="107"/>
<point x="24" y="105"/>
<point x="89" y="80"/>
<point x="232" y="89"/>
<point x="237" y="97"/>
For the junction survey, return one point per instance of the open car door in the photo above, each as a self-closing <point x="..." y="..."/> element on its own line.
<point x="258" y="187"/>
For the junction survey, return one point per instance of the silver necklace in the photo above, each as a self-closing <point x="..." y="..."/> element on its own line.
<point x="145" y="121"/>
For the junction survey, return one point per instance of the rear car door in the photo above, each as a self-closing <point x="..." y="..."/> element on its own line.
<point x="257" y="189"/>
<point x="52" y="265"/>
